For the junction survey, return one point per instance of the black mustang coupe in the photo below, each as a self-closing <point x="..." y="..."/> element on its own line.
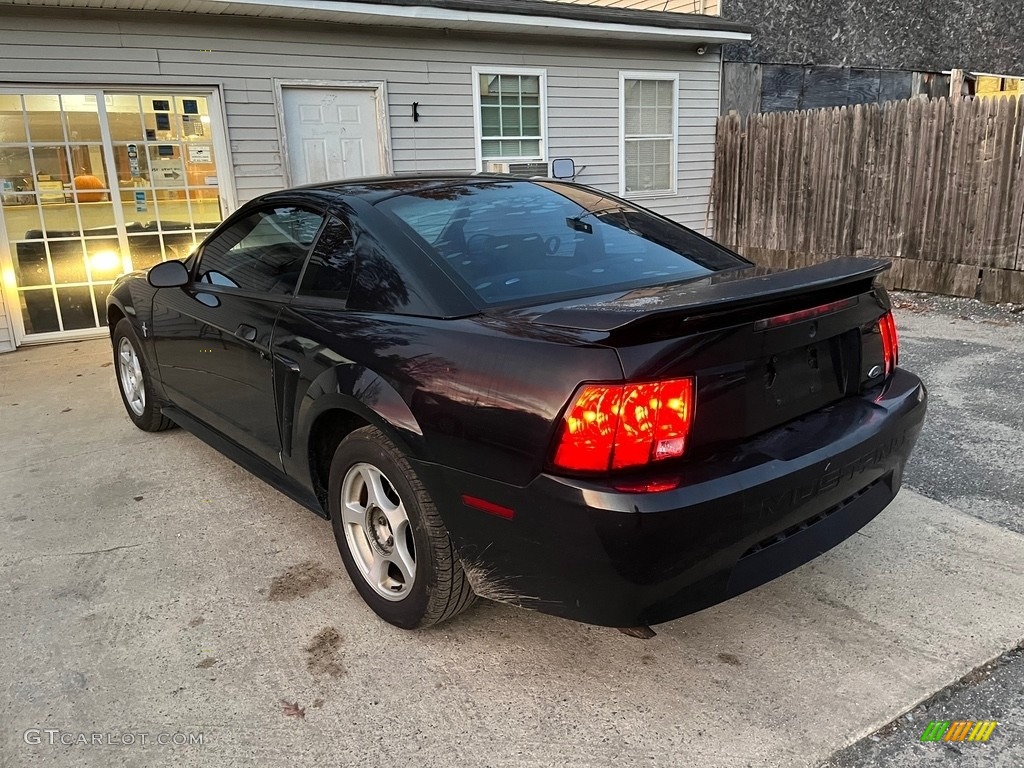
<point x="527" y="390"/>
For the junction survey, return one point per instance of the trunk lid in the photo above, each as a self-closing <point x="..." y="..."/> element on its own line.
<point x="765" y="346"/>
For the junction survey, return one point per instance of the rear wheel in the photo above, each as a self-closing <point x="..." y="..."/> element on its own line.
<point x="393" y="543"/>
<point x="133" y="381"/>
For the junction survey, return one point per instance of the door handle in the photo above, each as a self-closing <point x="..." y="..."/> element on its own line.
<point x="246" y="332"/>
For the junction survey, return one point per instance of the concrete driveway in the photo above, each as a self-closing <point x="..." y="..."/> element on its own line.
<point x="149" y="587"/>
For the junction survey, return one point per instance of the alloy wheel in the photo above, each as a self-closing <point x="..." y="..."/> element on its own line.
<point x="378" y="532"/>
<point x="132" y="384"/>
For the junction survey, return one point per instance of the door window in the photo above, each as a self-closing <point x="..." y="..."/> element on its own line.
<point x="262" y="252"/>
<point x="329" y="273"/>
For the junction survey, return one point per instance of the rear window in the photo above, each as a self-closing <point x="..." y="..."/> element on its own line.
<point x="517" y="240"/>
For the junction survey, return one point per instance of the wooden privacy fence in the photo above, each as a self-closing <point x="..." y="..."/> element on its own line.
<point x="937" y="186"/>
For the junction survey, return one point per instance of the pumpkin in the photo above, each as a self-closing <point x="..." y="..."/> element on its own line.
<point x="89" y="182"/>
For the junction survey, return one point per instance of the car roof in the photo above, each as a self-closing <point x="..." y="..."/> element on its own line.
<point x="373" y="189"/>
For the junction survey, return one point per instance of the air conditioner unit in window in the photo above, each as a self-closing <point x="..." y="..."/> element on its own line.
<point x="522" y="170"/>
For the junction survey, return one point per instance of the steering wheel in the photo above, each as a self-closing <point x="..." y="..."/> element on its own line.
<point x="552" y="244"/>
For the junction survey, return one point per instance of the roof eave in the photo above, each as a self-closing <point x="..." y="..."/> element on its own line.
<point x="526" y="17"/>
<point x="463" y="18"/>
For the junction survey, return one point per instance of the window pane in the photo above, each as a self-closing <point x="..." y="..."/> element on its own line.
<point x="12" y="120"/>
<point x="31" y="266"/>
<point x="82" y="117"/>
<point x="662" y="177"/>
<point x="633" y="93"/>
<point x="648" y="165"/>
<point x="100" y="293"/>
<point x="15" y="172"/>
<point x="262" y="252"/>
<point x="490" y="121"/>
<point x="104" y="258"/>
<point x="663" y="120"/>
<point x="51" y="163"/>
<point x="145" y="250"/>
<point x="511" y="125"/>
<point x="68" y="261"/>
<point x="648" y="107"/>
<point x="329" y="272"/>
<point x="664" y="93"/>
<point x="21" y="212"/>
<point x="88" y="172"/>
<point x="39" y="311"/>
<point x="44" y="121"/>
<point x="632" y="117"/>
<point x="76" y="308"/>
<point x="531" y="121"/>
<point x="161" y="124"/>
<point x="512" y="149"/>
<point x="166" y="170"/>
<point x="205" y="206"/>
<point x="124" y="117"/>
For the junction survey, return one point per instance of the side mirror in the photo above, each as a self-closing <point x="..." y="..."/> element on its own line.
<point x="168" y="274"/>
<point x="563" y="168"/>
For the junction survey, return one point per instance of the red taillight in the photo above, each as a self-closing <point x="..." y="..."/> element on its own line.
<point x="890" y="342"/>
<point x="614" y="426"/>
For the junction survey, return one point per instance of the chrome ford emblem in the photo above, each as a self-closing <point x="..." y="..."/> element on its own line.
<point x="875" y="372"/>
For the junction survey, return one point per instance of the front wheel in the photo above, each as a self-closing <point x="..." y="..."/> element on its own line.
<point x="133" y="381"/>
<point x="392" y="540"/>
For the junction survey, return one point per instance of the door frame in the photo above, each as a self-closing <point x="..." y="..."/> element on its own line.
<point x="225" y="186"/>
<point x="378" y="88"/>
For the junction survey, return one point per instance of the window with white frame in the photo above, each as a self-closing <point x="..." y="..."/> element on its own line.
<point x="649" y="104"/>
<point x="510" y="108"/>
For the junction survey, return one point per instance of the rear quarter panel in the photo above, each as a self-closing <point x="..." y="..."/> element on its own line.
<point x="476" y="395"/>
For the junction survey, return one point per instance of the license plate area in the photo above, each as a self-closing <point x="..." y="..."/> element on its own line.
<point x="794" y="382"/>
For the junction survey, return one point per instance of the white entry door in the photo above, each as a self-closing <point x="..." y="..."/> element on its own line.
<point x="332" y="133"/>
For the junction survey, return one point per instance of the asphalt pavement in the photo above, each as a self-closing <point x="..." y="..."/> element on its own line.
<point x="971" y="457"/>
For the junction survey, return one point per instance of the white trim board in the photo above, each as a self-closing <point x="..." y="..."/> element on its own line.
<point x="672" y="77"/>
<point x="478" y="127"/>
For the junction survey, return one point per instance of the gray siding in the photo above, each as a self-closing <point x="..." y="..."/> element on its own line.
<point x="432" y="69"/>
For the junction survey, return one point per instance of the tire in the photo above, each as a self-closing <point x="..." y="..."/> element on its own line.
<point x="134" y="381"/>
<point x="394" y="545"/>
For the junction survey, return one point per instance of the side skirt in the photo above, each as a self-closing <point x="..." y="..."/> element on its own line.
<point x="259" y="468"/>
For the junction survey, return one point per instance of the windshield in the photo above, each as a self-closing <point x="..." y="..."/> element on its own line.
<point x="516" y="240"/>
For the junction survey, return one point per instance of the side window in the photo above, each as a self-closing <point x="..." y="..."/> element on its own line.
<point x="329" y="273"/>
<point x="262" y="252"/>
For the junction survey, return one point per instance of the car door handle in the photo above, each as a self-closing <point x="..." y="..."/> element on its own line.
<point x="246" y="332"/>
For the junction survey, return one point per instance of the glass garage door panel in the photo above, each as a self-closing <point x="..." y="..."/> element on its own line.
<point x="55" y="196"/>
<point x="96" y="184"/>
<point x="163" y="151"/>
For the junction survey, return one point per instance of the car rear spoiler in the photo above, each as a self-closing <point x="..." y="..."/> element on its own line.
<point x="724" y="291"/>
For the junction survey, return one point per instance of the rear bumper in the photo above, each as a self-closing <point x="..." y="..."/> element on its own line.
<point x="586" y="551"/>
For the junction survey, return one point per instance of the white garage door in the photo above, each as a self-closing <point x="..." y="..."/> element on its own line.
<point x="332" y="133"/>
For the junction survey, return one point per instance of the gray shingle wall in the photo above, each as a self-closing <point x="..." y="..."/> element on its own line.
<point x="924" y="35"/>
